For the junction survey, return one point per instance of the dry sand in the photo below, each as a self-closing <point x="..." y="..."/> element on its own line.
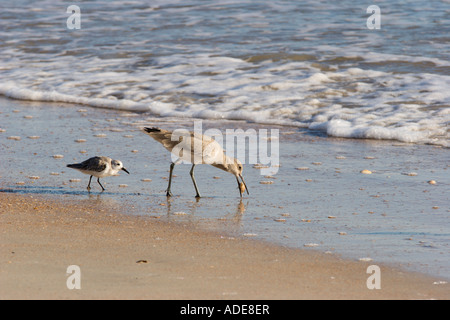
<point x="138" y="257"/>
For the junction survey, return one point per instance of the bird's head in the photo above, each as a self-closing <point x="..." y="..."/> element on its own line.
<point x="236" y="169"/>
<point x="117" y="166"/>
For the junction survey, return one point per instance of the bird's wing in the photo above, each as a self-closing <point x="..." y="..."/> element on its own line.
<point x="189" y="146"/>
<point x="162" y="136"/>
<point x="97" y="164"/>
<point x="212" y="151"/>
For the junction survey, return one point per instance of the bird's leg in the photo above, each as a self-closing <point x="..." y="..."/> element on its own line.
<point x="168" y="192"/>
<point x="98" y="180"/>
<point x="89" y="185"/>
<point x="195" y="183"/>
<point x="239" y="186"/>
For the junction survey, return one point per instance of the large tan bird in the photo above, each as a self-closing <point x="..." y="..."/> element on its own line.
<point x="197" y="149"/>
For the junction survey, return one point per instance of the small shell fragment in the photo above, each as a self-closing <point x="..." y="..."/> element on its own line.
<point x="249" y="234"/>
<point x="58" y="156"/>
<point x="17" y="138"/>
<point x="260" y="166"/>
<point x="311" y="245"/>
<point x="80" y="140"/>
<point x="432" y="182"/>
<point x="366" y="259"/>
<point x="365" y="171"/>
<point x="242" y="187"/>
<point x="142" y="261"/>
<point x="265" y="182"/>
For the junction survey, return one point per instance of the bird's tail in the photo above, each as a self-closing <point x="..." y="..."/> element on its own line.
<point x="151" y="130"/>
<point x="74" y="166"/>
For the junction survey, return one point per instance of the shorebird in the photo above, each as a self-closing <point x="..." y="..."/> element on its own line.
<point x="99" y="167"/>
<point x="197" y="148"/>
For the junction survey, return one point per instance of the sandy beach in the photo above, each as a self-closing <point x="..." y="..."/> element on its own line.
<point x="130" y="257"/>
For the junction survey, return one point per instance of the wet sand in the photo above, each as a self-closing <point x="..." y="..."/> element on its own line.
<point x="139" y="257"/>
<point x="298" y="237"/>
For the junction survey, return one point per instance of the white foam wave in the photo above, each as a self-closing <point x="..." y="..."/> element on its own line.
<point x="351" y="103"/>
<point x="15" y="92"/>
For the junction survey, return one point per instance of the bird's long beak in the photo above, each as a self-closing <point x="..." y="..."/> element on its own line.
<point x="242" y="178"/>
<point x="125" y="170"/>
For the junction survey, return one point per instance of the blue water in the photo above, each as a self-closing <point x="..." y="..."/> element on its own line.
<point x="311" y="64"/>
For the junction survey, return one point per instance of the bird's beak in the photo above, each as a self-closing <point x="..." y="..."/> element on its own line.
<point x="125" y="170"/>
<point x="242" y="178"/>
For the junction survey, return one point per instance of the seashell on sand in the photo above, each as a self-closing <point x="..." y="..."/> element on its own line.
<point x="310" y="245"/>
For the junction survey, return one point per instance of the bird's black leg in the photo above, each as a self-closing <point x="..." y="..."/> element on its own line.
<point x="89" y="185"/>
<point x="168" y="192"/>
<point x="193" y="180"/>
<point x="239" y="186"/>
<point x="98" y="180"/>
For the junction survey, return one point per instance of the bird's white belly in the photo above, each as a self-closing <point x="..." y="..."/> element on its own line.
<point x="97" y="174"/>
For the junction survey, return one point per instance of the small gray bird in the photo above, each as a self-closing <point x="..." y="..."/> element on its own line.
<point x="99" y="167"/>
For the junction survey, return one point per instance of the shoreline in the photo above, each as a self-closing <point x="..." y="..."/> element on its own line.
<point x="124" y="256"/>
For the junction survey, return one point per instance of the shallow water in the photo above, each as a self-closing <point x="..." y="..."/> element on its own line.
<point x="392" y="215"/>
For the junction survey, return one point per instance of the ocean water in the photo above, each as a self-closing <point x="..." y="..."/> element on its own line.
<point x="311" y="64"/>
